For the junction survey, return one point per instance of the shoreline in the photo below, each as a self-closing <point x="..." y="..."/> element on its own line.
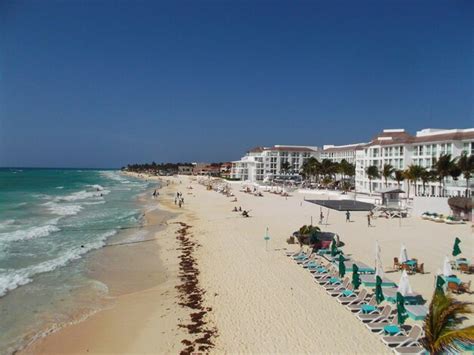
<point x="128" y="281"/>
<point x="261" y="300"/>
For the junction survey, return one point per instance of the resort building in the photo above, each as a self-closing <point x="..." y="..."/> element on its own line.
<point x="185" y="169"/>
<point x="340" y="152"/>
<point x="267" y="163"/>
<point x="400" y="149"/>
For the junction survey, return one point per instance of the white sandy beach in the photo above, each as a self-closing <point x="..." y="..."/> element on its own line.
<point x="261" y="300"/>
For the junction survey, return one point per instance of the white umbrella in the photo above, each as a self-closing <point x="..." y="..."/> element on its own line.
<point x="378" y="261"/>
<point x="447" y="270"/>
<point x="404" y="286"/>
<point x="403" y="254"/>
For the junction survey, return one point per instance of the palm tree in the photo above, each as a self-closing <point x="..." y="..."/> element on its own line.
<point x="466" y="165"/>
<point x="408" y="175"/>
<point x="285" y="167"/>
<point x="442" y="334"/>
<point x="372" y="173"/>
<point x="443" y="168"/>
<point x="399" y="177"/>
<point x="413" y="174"/>
<point x="426" y="176"/>
<point x="342" y="169"/>
<point x="387" y="172"/>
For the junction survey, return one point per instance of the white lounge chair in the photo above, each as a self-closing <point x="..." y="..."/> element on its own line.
<point x="356" y="306"/>
<point x="372" y="318"/>
<point x="402" y="340"/>
<point x="360" y="297"/>
<point x="378" y="327"/>
<point x="410" y="350"/>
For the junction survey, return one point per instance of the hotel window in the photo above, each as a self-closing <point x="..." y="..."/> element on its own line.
<point x="449" y="148"/>
<point x="433" y="149"/>
<point x="400" y="149"/>
<point x="428" y="149"/>
<point x="442" y="148"/>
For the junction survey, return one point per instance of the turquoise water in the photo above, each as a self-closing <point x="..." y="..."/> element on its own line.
<point x="49" y="221"/>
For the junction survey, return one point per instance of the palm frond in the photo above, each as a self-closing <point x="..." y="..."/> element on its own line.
<point x="441" y="332"/>
<point x="454" y="339"/>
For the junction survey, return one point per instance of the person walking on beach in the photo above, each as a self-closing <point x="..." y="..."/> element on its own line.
<point x="321" y="217"/>
<point x="368" y="219"/>
<point x="179" y="203"/>
<point x="348" y="216"/>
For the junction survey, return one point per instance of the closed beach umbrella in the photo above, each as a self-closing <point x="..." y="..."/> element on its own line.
<point x="456" y="249"/>
<point x="403" y="254"/>
<point x="378" y="290"/>
<point x="404" y="287"/>
<point x="342" y="266"/>
<point x="401" y="311"/>
<point x="355" y="276"/>
<point x="333" y="248"/>
<point x="447" y="269"/>
<point x="440" y="284"/>
<point x="378" y="261"/>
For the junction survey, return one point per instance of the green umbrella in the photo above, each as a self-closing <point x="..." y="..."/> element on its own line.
<point x="333" y="248"/>
<point x="342" y="266"/>
<point x="378" y="290"/>
<point x="456" y="249"/>
<point x="440" y="284"/>
<point x="355" y="276"/>
<point x="401" y="311"/>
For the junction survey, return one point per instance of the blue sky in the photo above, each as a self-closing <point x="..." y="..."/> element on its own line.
<point x="106" y="83"/>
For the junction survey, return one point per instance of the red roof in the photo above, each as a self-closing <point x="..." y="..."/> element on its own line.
<point x="404" y="137"/>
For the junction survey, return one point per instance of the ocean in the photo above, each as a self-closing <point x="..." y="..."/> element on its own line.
<point x="50" y="221"/>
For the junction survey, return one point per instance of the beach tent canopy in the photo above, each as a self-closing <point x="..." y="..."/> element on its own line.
<point x="344" y="205"/>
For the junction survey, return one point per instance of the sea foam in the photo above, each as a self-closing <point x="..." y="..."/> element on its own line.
<point x="11" y="279"/>
<point x="63" y="210"/>
<point x="31" y="233"/>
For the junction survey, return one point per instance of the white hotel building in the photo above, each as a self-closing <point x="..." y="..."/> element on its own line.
<point x="400" y="149"/>
<point x="340" y="152"/>
<point x="263" y="163"/>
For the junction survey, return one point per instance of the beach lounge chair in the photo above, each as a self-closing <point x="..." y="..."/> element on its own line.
<point x="343" y="292"/>
<point x="410" y="349"/>
<point x="323" y="278"/>
<point x="401" y="340"/>
<point x="466" y="269"/>
<point x="346" y="300"/>
<point x="333" y="285"/>
<point x="378" y="327"/>
<point x="461" y="288"/>
<point x="356" y="305"/>
<point x="372" y="318"/>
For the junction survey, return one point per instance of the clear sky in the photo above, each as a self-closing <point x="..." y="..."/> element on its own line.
<point x="106" y="83"/>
